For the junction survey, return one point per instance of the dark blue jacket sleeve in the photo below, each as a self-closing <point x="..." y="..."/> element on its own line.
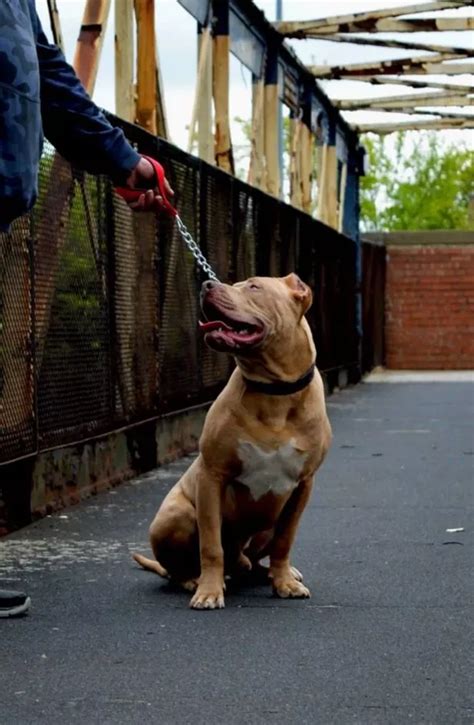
<point x="73" y="123"/>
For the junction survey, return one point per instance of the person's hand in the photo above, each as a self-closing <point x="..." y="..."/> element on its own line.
<point x="143" y="177"/>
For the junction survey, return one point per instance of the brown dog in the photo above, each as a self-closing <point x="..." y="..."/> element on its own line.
<point x="264" y="437"/>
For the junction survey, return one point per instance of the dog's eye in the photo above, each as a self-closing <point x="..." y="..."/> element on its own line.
<point x="253" y="286"/>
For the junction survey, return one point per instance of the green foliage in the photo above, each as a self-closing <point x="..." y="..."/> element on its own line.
<point x="416" y="182"/>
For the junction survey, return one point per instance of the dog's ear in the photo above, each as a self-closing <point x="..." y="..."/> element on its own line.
<point x="299" y="290"/>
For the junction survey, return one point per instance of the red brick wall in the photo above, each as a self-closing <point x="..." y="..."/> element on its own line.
<point x="429" y="300"/>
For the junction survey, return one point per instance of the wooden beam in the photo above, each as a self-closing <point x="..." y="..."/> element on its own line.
<point x="272" y="165"/>
<point x="124" y="56"/>
<point x="222" y="142"/>
<point x="449" y="69"/>
<point x="296" y="197"/>
<point x="342" y="197"/>
<point x="256" y="174"/>
<point x="411" y="83"/>
<point x="161" y="119"/>
<point x="440" y="113"/>
<point x="448" y="98"/>
<point x="204" y="112"/>
<point x="422" y="64"/>
<point x="423" y="25"/>
<point x="399" y="44"/>
<point x="430" y="112"/>
<point x="301" y="165"/>
<point x="202" y="105"/>
<point x="150" y="104"/>
<point x="331" y="211"/>
<point x="431" y="124"/>
<point x="384" y="25"/>
<point x="319" y="166"/>
<point x="220" y="82"/>
<point x="55" y="24"/>
<point x="90" y="42"/>
<point x="306" y="167"/>
<point x="362" y="21"/>
<point x="146" y="65"/>
<point x="327" y="192"/>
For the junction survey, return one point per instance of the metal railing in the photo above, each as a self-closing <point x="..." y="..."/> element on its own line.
<point x="99" y="305"/>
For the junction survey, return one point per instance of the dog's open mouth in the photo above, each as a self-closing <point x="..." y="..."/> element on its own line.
<point x="223" y="331"/>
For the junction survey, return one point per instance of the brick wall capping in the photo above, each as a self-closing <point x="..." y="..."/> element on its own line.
<point x="425" y="237"/>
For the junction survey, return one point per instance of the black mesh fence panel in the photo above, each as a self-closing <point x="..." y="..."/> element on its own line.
<point x="178" y="341"/>
<point x="99" y="306"/>
<point x="217" y="241"/>
<point x="134" y="309"/>
<point x="17" y="401"/>
<point x="373" y="305"/>
<point x="73" y="368"/>
<point x="245" y="234"/>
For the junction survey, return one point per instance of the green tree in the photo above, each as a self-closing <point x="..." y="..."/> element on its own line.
<point x="416" y="182"/>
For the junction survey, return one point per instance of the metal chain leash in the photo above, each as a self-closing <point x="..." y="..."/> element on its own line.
<point x="195" y="250"/>
<point x="131" y="195"/>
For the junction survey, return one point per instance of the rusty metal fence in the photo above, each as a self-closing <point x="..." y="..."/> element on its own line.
<point x="99" y="305"/>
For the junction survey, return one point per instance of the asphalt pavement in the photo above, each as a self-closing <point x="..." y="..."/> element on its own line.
<point x="386" y="637"/>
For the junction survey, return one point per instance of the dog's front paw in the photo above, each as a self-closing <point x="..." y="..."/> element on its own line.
<point x="296" y="573"/>
<point x="207" y="597"/>
<point x="290" y="588"/>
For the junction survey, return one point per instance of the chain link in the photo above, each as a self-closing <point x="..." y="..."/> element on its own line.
<point x="195" y="251"/>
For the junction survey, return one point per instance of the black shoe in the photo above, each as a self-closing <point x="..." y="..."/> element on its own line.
<point x="13" y="604"/>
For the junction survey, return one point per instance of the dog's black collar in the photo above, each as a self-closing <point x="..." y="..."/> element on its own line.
<point x="281" y="387"/>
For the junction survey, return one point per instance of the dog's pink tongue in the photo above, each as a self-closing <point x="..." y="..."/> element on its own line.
<point x="213" y="325"/>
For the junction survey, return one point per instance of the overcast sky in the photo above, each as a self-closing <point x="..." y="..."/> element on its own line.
<point x="176" y="40"/>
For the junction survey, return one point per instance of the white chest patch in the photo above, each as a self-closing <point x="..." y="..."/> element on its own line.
<point x="275" y="470"/>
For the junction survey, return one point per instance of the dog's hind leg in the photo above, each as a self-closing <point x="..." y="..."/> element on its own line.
<point x="174" y="538"/>
<point x="259" y="546"/>
<point x="189" y="586"/>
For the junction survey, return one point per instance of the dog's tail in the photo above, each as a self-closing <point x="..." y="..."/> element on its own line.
<point x="151" y="565"/>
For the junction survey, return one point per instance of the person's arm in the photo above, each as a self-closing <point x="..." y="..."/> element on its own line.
<point x="79" y="130"/>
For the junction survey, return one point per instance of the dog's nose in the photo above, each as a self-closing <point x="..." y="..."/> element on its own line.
<point x="207" y="286"/>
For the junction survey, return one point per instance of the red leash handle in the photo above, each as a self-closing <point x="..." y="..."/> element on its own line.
<point x="131" y="195"/>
